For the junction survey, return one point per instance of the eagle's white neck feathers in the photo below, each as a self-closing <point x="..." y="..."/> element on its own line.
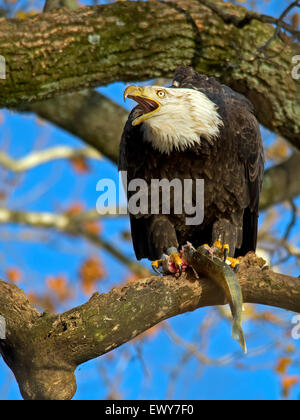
<point x="184" y="117"/>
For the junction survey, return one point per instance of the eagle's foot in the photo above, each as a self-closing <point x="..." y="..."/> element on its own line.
<point x="222" y="251"/>
<point x="169" y="264"/>
<point x="234" y="263"/>
<point x="176" y="264"/>
<point x="157" y="264"/>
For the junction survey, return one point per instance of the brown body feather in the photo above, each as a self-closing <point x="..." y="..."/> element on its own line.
<point x="232" y="169"/>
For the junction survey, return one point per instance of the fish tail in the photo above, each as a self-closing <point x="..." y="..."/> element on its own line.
<point x="237" y="334"/>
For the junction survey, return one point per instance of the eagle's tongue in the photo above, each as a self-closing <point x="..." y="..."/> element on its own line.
<point x="146" y="104"/>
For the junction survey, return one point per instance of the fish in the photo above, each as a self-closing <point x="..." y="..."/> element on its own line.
<point x="204" y="262"/>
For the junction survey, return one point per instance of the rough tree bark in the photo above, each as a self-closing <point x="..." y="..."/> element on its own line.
<point x="43" y="350"/>
<point x="64" y="50"/>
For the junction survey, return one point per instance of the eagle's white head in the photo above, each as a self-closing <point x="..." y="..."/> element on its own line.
<point x="174" y="118"/>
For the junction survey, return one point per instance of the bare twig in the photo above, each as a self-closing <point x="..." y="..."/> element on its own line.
<point x="72" y="225"/>
<point x="281" y="24"/>
<point x="292" y="222"/>
<point x="276" y="243"/>
<point x="249" y="15"/>
<point x="40" y="157"/>
<point x="192" y="349"/>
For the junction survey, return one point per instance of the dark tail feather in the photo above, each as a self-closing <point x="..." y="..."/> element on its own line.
<point x="140" y="243"/>
<point x="250" y="223"/>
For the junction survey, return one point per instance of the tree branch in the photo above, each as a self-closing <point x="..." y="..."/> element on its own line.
<point x="40" y="157"/>
<point x="71" y="225"/>
<point x="87" y="114"/>
<point x="161" y="37"/>
<point x="281" y="182"/>
<point x="44" y="350"/>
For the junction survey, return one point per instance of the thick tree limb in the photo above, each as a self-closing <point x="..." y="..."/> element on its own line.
<point x="281" y="182"/>
<point x="69" y="50"/>
<point x="43" y="350"/>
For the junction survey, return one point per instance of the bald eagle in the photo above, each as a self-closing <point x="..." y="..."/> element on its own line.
<point x="195" y="129"/>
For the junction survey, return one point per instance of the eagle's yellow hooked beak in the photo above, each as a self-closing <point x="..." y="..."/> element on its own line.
<point x="132" y="91"/>
<point x="144" y="97"/>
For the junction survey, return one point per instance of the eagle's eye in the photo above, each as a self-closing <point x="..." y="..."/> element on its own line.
<point x="161" y="93"/>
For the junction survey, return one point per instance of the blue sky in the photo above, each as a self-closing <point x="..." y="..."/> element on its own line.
<point x="144" y="367"/>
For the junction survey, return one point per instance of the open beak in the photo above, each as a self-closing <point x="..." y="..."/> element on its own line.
<point x="147" y="105"/>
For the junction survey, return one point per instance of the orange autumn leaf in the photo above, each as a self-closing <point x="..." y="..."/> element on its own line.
<point x="150" y="333"/>
<point x="80" y="164"/>
<point x="290" y="348"/>
<point x="32" y="297"/>
<point x="282" y="365"/>
<point x="59" y="286"/>
<point x="91" y="273"/>
<point x="270" y="317"/>
<point x="44" y="302"/>
<point x="14" y="275"/>
<point x="3" y="195"/>
<point x="287" y="383"/>
<point x="278" y="151"/>
<point x="75" y="209"/>
<point x="92" y="227"/>
<point x="153" y="331"/>
<point x="295" y="20"/>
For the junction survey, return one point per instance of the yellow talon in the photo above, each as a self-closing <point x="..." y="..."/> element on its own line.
<point x="218" y="244"/>
<point x="220" y="250"/>
<point x="234" y="262"/>
<point x="226" y="247"/>
<point x="156" y="264"/>
<point x="175" y="258"/>
<point x="225" y="251"/>
<point x="177" y="261"/>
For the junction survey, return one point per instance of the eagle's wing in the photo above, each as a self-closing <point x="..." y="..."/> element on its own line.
<point x="129" y="163"/>
<point x="251" y="154"/>
<point x="245" y="140"/>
